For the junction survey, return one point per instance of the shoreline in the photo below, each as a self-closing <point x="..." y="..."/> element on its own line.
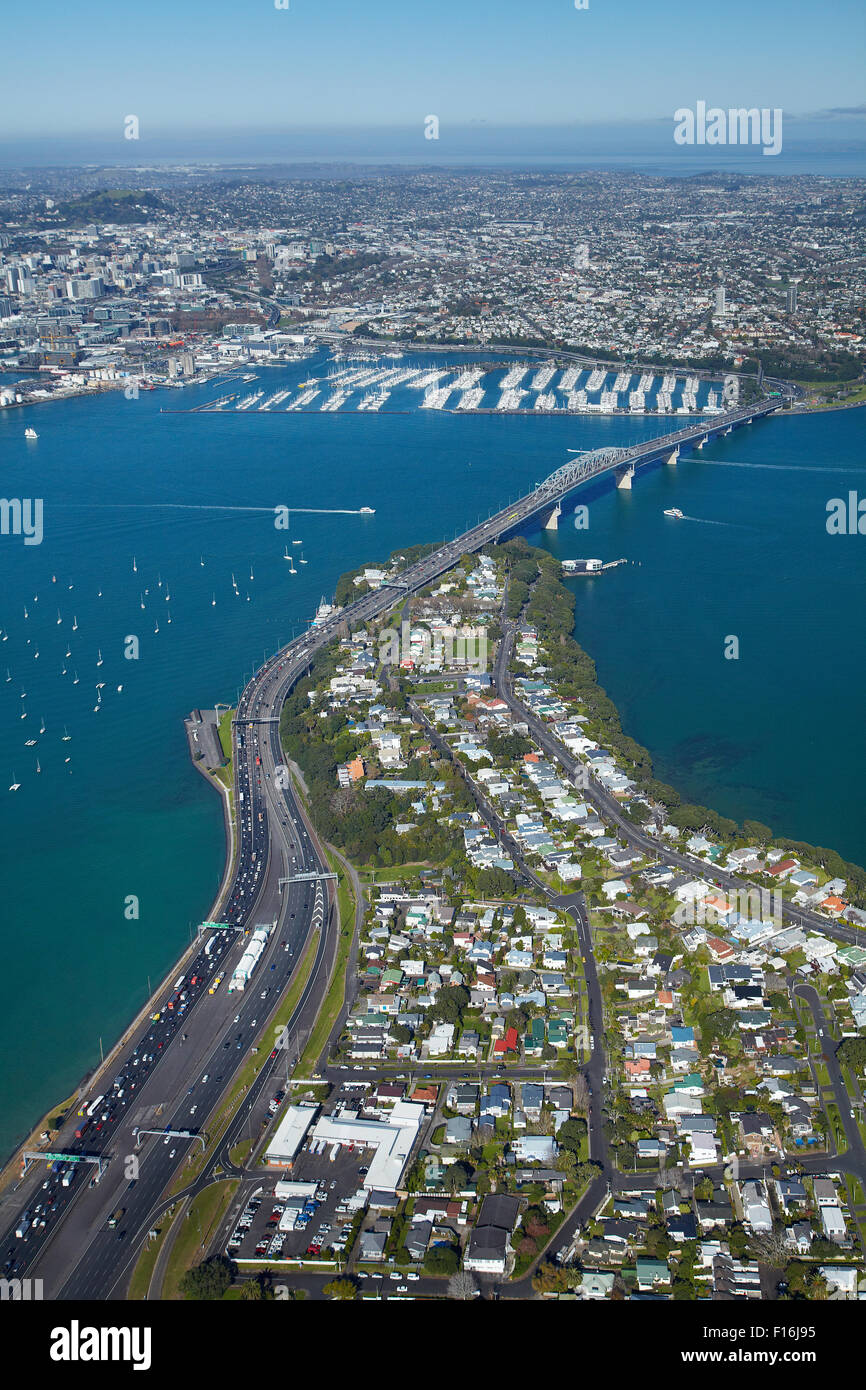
<point x="405" y="349"/>
<point x="10" y="1169"/>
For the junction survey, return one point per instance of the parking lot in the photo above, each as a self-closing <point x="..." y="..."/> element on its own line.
<point x="324" y="1220"/>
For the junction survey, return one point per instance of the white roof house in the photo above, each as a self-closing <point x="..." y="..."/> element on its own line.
<point x="756" y="1208"/>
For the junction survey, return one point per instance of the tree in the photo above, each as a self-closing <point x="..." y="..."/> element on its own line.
<point x="738" y="1240"/>
<point x="683" y="1289"/>
<point x="851" y="1052"/>
<point x="567" y="1163"/>
<point x="756" y="830"/>
<point x="257" y="1290"/>
<point x="457" y="1176"/>
<point x="549" y="1278"/>
<point x="209" y="1280"/>
<point x="442" y="1259"/>
<point x="581" y="1093"/>
<point x="450" y="1003"/>
<point x="341" y="1290"/>
<point x="462" y="1285"/>
<point x="571" y="1135"/>
<point x="772" y="1248"/>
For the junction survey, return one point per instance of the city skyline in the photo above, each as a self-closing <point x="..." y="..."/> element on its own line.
<point x="213" y="67"/>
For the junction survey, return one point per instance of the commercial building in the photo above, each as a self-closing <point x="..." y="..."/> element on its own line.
<point x="391" y="1138"/>
<point x="290" y="1135"/>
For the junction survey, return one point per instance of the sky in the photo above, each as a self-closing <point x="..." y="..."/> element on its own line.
<point x="186" y="66"/>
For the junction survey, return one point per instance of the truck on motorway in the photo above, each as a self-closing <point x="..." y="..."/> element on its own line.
<point x="23" y="1226"/>
<point x="94" y="1106"/>
<point x="115" y="1217"/>
<point x="66" y="1180"/>
<point x="82" y="1129"/>
<point x="209" y="945"/>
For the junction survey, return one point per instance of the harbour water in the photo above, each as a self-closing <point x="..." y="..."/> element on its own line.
<point x="188" y="498"/>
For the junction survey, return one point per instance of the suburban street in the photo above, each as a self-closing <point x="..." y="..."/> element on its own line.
<point x="76" y="1254"/>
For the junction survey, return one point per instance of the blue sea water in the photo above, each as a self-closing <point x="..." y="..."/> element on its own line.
<point x="776" y="735"/>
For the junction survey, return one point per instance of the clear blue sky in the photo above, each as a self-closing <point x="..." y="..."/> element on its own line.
<point x="198" y="65"/>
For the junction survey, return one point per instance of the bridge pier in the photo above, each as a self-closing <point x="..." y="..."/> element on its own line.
<point x="624" y="476"/>
<point x="552" y="521"/>
<point x="672" y="458"/>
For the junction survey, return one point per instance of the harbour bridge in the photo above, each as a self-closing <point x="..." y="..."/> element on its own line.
<point x="624" y="463"/>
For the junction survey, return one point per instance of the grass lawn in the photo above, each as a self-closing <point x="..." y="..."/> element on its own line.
<point x="201" y="1219"/>
<point x="226" y="774"/>
<point x="241" y="1152"/>
<point x="336" y="994"/>
<point x="396" y="873"/>
<point x="143" y="1272"/>
<point x="857" y="396"/>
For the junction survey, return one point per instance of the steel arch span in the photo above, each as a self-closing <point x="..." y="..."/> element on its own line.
<point x="576" y="470"/>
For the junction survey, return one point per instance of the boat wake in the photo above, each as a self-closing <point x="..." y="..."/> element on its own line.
<point x="779" y="467"/>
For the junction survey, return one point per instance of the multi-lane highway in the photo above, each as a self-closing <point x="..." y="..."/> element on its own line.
<point x="172" y="1072"/>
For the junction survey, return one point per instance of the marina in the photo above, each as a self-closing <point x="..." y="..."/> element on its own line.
<point x="373" y="385"/>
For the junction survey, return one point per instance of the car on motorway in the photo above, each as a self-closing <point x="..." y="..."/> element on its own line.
<point x="172" y="1153"/>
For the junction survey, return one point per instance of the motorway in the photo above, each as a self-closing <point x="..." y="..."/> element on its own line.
<point x="195" y="1052"/>
<point x="75" y="1254"/>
